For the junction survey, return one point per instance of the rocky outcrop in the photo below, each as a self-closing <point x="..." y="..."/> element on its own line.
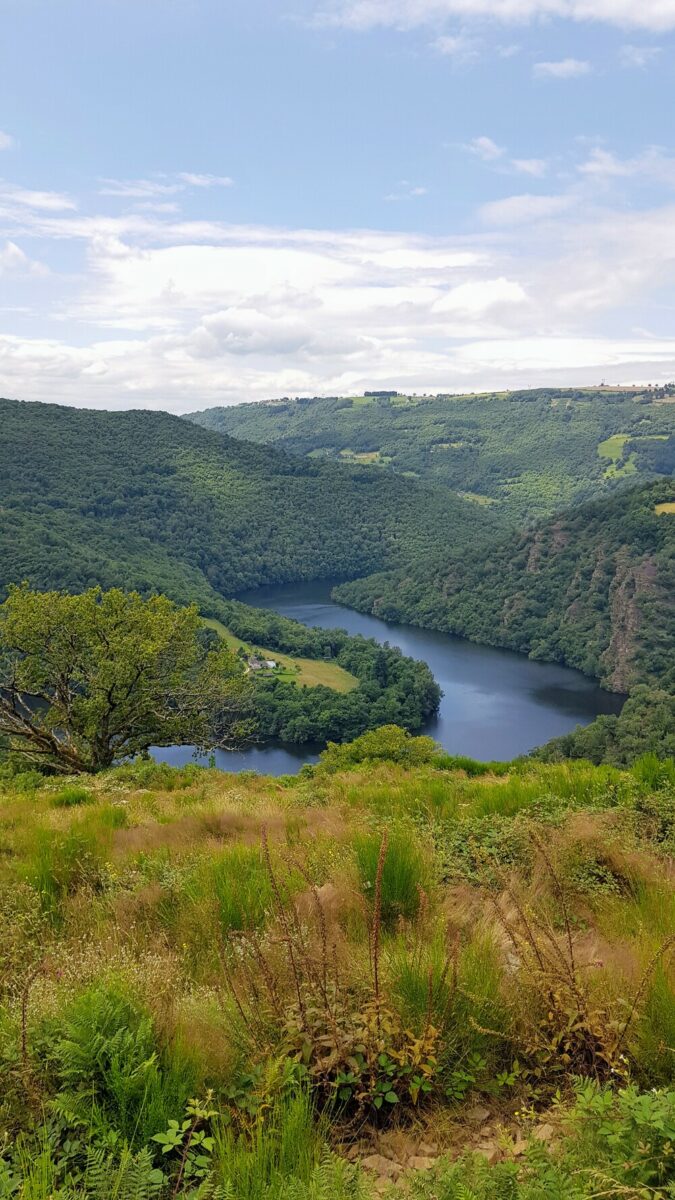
<point x="632" y="582"/>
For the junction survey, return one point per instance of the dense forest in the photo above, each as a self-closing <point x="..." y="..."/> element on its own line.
<point x="527" y="453"/>
<point x="149" y="501"/>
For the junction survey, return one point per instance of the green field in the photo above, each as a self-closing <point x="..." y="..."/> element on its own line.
<point x="667" y="507"/>
<point x="366" y="458"/>
<point x="478" y="498"/>
<point x="306" y="672"/>
<point x="612" y="448"/>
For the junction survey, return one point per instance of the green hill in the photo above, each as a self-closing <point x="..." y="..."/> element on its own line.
<point x="530" y="453"/>
<point x="150" y="501"/>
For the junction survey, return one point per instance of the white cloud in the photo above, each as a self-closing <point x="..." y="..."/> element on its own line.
<point x="6" y="140"/>
<point x="205" y="181"/>
<point x="157" y="206"/>
<point x="13" y="261"/>
<point x="485" y="148"/>
<point x="566" y="68"/>
<point x="518" y="210"/>
<point x="654" y="165"/>
<point x="638" y="56"/>
<point x="405" y="190"/>
<point x="161" y="185"/>
<point x="368" y="14"/>
<point x="537" y="167"/>
<point x="137" y="188"/>
<point x="168" y="312"/>
<point x="43" y="201"/>
<point x="460" y="48"/>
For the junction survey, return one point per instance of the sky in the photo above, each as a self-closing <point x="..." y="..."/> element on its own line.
<point x="213" y="201"/>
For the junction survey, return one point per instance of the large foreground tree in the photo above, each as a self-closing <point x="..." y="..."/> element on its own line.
<point x="89" y="679"/>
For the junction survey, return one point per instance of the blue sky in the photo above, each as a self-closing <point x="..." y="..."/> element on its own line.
<point x="208" y="201"/>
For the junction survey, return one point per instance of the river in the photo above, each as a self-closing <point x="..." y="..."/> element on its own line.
<point x="496" y="704"/>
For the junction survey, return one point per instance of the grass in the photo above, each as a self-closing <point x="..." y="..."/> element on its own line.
<point x="367" y="458"/>
<point x="68" y="797"/>
<point x="306" y="672"/>
<point x="478" y="498"/>
<point x="188" y="934"/>
<point x="668" y="506"/>
<point x="612" y="448"/>
<point x="404" y="876"/>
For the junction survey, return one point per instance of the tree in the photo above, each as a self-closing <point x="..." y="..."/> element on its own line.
<point x="89" y="679"/>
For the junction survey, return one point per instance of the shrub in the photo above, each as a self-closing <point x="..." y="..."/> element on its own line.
<point x="634" y="1131"/>
<point x="389" y="743"/>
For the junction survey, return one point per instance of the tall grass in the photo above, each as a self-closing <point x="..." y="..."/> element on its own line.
<point x="239" y="882"/>
<point x="404" y="876"/>
<point x="286" y="1146"/>
<point x="72" y="796"/>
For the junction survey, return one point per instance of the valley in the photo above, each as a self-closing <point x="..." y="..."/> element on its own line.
<point x="329" y="869"/>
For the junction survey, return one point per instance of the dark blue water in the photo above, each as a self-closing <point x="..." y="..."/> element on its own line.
<point x="496" y="704"/>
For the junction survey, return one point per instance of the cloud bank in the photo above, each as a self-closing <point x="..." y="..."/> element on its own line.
<point x="157" y="311"/>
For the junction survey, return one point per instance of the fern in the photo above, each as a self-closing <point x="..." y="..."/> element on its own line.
<point x="332" y="1179"/>
<point x="130" y="1177"/>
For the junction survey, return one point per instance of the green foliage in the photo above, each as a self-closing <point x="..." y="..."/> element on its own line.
<point x="636" y="1130"/>
<point x="285" y="1148"/>
<point x="86" y="680"/>
<point x="532" y="451"/>
<point x="182" y="961"/>
<point x="237" y="883"/>
<point x="188" y="1143"/>
<point x="64" y="862"/>
<point x="393" y="689"/>
<point x="108" y="1067"/>
<point x="149" y="502"/>
<point x="388" y="743"/>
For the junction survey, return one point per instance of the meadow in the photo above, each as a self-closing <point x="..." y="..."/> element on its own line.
<point x="396" y="971"/>
<point x="305" y="672"/>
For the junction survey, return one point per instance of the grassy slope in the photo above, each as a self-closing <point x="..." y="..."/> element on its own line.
<point x="532" y="452"/>
<point x="306" y="672"/>
<point x="130" y="904"/>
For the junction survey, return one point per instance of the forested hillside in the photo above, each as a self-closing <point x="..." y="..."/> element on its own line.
<point x="593" y="588"/>
<point x="528" y="453"/>
<point x="148" y="501"/>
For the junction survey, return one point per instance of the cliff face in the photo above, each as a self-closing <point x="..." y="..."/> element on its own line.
<point x="631" y="584"/>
